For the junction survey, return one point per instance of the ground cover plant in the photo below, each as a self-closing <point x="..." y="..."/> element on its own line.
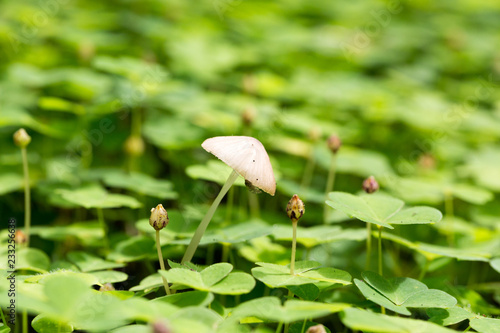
<point x="249" y="166"/>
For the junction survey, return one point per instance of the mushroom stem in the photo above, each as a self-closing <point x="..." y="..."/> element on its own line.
<point x="294" y="246"/>
<point x="191" y="249"/>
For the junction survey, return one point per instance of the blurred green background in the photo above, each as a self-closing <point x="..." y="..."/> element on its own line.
<point x="411" y="88"/>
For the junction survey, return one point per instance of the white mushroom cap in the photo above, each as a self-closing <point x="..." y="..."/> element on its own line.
<point x="247" y="156"/>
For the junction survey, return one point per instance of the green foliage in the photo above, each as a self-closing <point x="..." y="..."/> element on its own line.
<point x="118" y="96"/>
<point x="382" y="210"/>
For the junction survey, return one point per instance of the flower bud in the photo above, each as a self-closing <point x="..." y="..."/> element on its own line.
<point x="160" y="327"/>
<point x="295" y="208"/>
<point x="334" y="143"/>
<point x="21" y="138"/>
<point x="20" y="237"/>
<point x="370" y="185"/>
<point x="107" y="287"/>
<point x="248" y="116"/>
<point x="316" y="329"/>
<point x="159" y="217"/>
<point x="134" y="146"/>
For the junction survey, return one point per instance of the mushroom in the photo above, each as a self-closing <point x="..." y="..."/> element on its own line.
<point x="248" y="158"/>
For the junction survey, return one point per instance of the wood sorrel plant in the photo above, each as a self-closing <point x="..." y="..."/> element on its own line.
<point x="248" y="158"/>
<point x="22" y="140"/>
<point x="295" y="209"/>
<point x="159" y="220"/>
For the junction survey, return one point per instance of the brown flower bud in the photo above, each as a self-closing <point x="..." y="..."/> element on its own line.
<point x="159" y="217"/>
<point x="20" y="237"/>
<point x="295" y="208"/>
<point x="370" y="185"/>
<point x="334" y="143"/>
<point x="21" y="138"/>
<point x="107" y="287"/>
<point x="248" y="116"/>
<point x="316" y="329"/>
<point x="160" y="327"/>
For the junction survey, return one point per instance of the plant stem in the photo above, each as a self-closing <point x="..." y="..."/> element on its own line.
<point x="27" y="194"/>
<point x="448" y="209"/>
<point x="368" y="246"/>
<point x="3" y="318"/>
<point x="379" y="250"/>
<point x="330" y="181"/>
<point x="280" y="325"/>
<point x="303" y="326"/>
<point x="424" y="270"/>
<point x="191" y="249"/>
<point x="162" y="264"/>
<point x="100" y="217"/>
<point x="294" y="246"/>
<point x="25" y="321"/>
<point x="225" y="252"/>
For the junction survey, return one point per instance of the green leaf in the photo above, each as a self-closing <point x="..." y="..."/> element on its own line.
<point x="94" y="196"/>
<point x="397" y="290"/>
<point x="188" y="298"/>
<point x="416" y="215"/>
<point x="88" y="263"/>
<point x="495" y="264"/>
<point x="270" y="308"/>
<point x="485" y="325"/>
<point x="132" y="249"/>
<point x="308" y="292"/>
<point x="353" y="161"/>
<point x="236" y="283"/>
<point x="10" y="182"/>
<point x="306" y="272"/>
<point x="405" y="292"/>
<point x="433" y="191"/>
<point x="483" y="167"/>
<point x="373" y="208"/>
<point x="30" y="259"/>
<point x="135" y="181"/>
<point x="149" y="282"/>
<point x="232" y="234"/>
<point x="110" y="276"/>
<point x="432" y="252"/>
<point x="263" y="250"/>
<point x="215" y="171"/>
<point x="215" y="278"/>
<point x="133" y="329"/>
<point x="170" y="132"/>
<point x="363" y="320"/>
<point x="44" y="324"/>
<point x="87" y="233"/>
<point x="214" y="273"/>
<point x="377" y="298"/>
<point x="449" y="316"/>
<point x="430" y="298"/>
<point x="59" y="104"/>
<point x="313" y="236"/>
